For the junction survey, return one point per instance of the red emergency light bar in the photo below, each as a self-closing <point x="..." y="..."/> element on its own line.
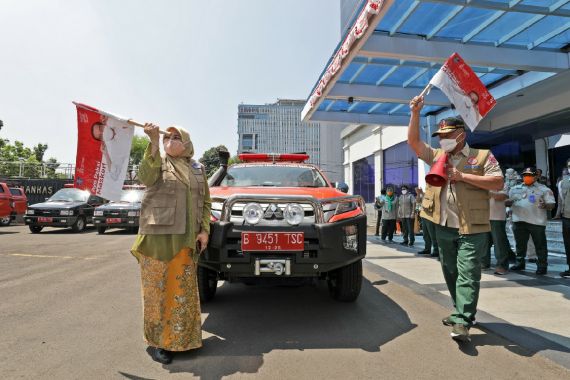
<point x="272" y="157"/>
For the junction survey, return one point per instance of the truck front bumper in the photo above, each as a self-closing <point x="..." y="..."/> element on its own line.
<point x="327" y="246"/>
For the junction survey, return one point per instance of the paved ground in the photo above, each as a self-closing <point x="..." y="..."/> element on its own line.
<point x="71" y="309"/>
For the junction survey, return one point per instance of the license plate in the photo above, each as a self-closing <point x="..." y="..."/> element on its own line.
<point x="44" y="219"/>
<point x="272" y="241"/>
<point x="113" y="220"/>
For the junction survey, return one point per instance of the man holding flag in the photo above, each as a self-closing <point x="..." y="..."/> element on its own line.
<point x="460" y="208"/>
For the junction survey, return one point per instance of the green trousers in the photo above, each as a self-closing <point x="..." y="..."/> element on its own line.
<point x="500" y="242"/>
<point x="461" y="263"/>
<point x="430" y="238"/>
<point x="522" y="231"/>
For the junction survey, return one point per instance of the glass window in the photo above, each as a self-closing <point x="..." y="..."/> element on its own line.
<point x="247" y="142"/>
<point x="273" y="176"/>
<point x="69" y="195"/>
<point x="363" y="178"/>
<point x="400" y="166"/>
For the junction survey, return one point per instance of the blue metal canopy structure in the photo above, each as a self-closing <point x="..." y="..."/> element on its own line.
<point x="512" y="45"/>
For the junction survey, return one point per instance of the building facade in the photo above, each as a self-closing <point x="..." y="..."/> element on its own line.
<point x="277" y="128"/>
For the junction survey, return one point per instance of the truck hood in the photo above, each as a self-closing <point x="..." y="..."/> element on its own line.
<point x="56" y="205"/>
<point x="317" y="192"/>
<point x="120" y="206"/>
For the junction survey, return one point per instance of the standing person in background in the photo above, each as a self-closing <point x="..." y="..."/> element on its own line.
<point x="378" y="208"/>
<point x="529" y="202"/>
<point x="498" y="219"/>
<point x="406" y="212"/>
<point x="540" y="178"/>
<point x="428" y="227"/>
<point x="564" y="212"/>
<point x="389" y="213"/>
<point x="460" y="210"/>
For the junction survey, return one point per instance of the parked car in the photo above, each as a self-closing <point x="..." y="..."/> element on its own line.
<point x="18" y="205"/>
<point x="68" y="207"/>
<point x="5" y="209"/>
<point x="275" y="217"/>
<point x="122" y="214"/>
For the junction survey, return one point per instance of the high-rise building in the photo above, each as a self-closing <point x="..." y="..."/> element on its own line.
<point x="277" y="128"/>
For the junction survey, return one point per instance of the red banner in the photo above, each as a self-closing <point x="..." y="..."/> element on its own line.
<point x="103" y="149"/>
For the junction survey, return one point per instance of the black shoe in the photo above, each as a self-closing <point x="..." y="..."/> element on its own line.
<point x="423" y="252"/>
<point x="565" y="274"/>
<point x="160" y="355"/>
<point x="376" y="234"/>
<point x="404" y="243"/>
<point x="533" y="261"/>
<point x="541" y="271"/>
<point x="411" y="245"/>
<point x="518" y="267"/>
<point x="435" y="254"/>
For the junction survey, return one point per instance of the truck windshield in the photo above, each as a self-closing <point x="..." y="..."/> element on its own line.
<point x="273" y="176"/>
<point x="70" y="195"/>
<point x="132" y="196"/>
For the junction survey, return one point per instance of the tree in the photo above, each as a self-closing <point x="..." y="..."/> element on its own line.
<point x="234" y="160"/>
<point x="137" y="149"/>
<point x="39" y="151"/>
<point x="211" y="160"/>
<point x="19" y="160"/>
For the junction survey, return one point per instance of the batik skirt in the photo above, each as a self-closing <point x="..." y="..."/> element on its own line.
<point x="171" y="302"/>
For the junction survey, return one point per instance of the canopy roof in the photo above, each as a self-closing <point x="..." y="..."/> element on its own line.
<point x="395" y="47"/>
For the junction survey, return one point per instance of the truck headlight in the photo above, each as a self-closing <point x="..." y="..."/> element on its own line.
<point x="252" y="213"/>
<point x="294" y="213"/>
<point x="66" y="212"/>
<point x="133" y="213"/>
<point x="98" y="213"/>
<point x="30" y="212"/>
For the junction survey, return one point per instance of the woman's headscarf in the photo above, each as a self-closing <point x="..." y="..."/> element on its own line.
<point x="181" y="164"/>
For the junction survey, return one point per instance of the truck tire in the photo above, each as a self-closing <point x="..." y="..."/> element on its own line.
<point x="207" y="284"/>
<point x="36" y="229"/>
<point x="345" y="283"/>
<point x="79" y="225"/>
<point x="5" y="221"/>
<point x="101" y="230"/>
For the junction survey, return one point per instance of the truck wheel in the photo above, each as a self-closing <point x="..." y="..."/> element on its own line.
<point x="5" y="221"/>
<point x="36" y="229"/>
<point x="345" y="283"/>
<point x="79" y="225"/>
<point x="101" y="230"/>
<point x="207" y="284"/>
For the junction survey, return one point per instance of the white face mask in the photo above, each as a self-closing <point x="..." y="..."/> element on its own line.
<point x="448" y="145"/>
<point x="404" y="192"/>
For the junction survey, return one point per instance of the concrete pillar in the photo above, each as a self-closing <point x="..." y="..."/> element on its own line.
<point x="541" y="149"/>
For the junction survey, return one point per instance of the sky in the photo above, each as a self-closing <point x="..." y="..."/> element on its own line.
<point x="182" y="62"/>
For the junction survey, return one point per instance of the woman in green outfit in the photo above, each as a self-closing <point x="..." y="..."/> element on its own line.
<point x="174" y="229"/>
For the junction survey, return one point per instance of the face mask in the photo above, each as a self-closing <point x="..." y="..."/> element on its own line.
<point x="448" y="145"/>
<point x="174" y="148"/>
<point x="404" y="192"/>
<point x="528" y="180"/>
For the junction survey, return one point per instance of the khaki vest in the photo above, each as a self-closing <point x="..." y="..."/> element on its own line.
<point x="472" y="202"/>
<point x="164" y="204"/>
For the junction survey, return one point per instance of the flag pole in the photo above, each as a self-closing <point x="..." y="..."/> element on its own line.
<point x="426" y="90"/>
<point x="141" y="125"/>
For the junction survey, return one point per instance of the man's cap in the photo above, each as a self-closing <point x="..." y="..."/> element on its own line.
<point x="449" y="125"/>
<point x="531" y="170"/>
<point x="404" y="187"/>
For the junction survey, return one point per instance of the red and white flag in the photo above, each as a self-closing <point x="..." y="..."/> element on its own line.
<point x="103" y="151"/>
<point x="464" y="89"/>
